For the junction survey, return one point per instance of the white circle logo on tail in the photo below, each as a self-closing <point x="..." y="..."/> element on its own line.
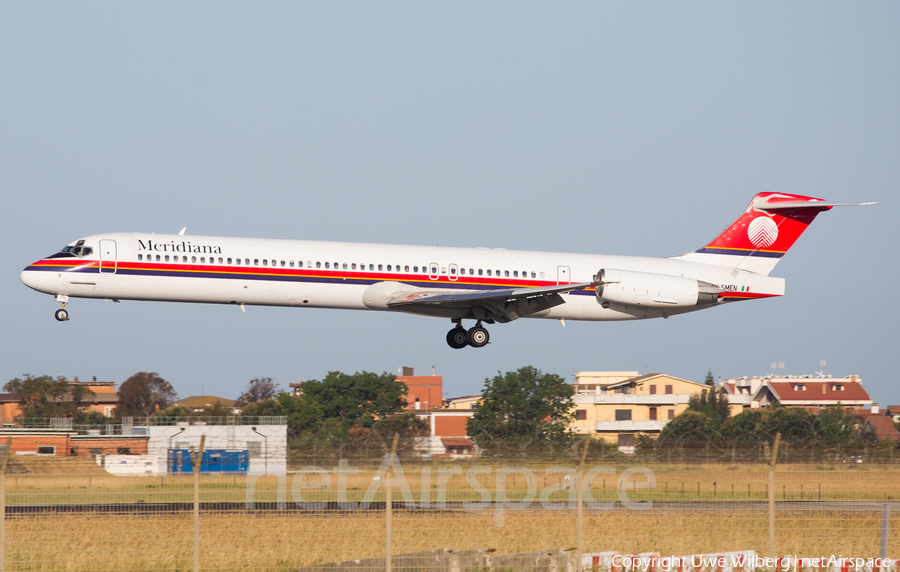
<point x="762" y="232"/>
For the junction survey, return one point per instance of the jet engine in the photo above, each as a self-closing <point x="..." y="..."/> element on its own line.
<point x="649" y="290"/>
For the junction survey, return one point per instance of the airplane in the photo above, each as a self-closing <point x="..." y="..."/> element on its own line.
<point x="486" y="285"/>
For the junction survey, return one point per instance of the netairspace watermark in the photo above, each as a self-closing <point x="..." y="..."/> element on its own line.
<point x="503" y="496"/>
<point x="743" y="561"/>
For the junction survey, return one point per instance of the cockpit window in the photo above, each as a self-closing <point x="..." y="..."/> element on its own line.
<point x="72" y="251"/>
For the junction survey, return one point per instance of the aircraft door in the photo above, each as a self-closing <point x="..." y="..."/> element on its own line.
<point x="108" y="256"/>
<point x="563" y="275"/>
<point x="454" y="273"/>
<point x="433" y="271"/>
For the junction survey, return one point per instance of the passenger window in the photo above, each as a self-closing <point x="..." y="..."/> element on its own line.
<point x="318" y="264"/>
<point x="389" y="268"/>
<point x="353" y="266"/>
<point x="489" y="271"/>
<point x="265" y="262"/>
<point x="282" y="264"/>
<point x="246" y="262"/>
<point x="542" y="274"/>
<point x="291" y="263"/>
<point x="335" y="265"/>
<point x="157" y="258"/>
<point x="274" y="263"/>
<point x="202" y="259"/>
<point x="506" y="273"/>
<point x="380" y="267"/>
<point x="515" y="273"/>
<point x="167" y="258"/>
<point x="498" y="273"/>
<point x="193" y="259"/>
<point x="371" y="267"/>
<point x="532" y="275"/>
<point x="256" y="262"/>
<point x="480" y="272"/>
<point x="327" y="265"/>
<point x="300" y="263"/>
<point x="140" y="256"/>
<point x="452" y="270"/>
<point x="237" y="261"/>
<point x="220" y="260"/>
<point x="415" y="268"/>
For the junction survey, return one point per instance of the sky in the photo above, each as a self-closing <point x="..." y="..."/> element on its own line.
<point x="591" y="127"/>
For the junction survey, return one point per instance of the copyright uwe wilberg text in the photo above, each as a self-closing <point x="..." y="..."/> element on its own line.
<point x="745" y="561"/>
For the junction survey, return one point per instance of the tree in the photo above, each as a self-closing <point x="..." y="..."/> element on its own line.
<point x="303" y="413"/>
<point x="259" y="389"/>
<point x="712" y="404"/>
<point x="142" y="394"/>
<point x="710" y="380"/>
<point x="358" y="399"/>
<point x="45" y="397"/>
<point x="690" y="428"/>
<point x="523" y="409"/>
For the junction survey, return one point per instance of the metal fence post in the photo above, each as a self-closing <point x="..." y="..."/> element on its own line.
<point x="885" y="530"/>
<point x="389" y="504"/>
<point x="772" y="495"/>
<point x="3" y="504"/>
<point x="579" y="482"/>
<point x="197" y="462"/>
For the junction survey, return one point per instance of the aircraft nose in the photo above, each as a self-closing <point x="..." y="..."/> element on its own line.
<point x="34" y="279"/>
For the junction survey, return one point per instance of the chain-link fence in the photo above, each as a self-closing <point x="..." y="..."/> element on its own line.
<point x="475" y="514"/>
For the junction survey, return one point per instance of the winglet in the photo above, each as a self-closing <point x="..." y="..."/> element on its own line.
<point x="182" y="231"/>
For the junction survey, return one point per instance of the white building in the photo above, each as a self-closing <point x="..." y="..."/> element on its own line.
<point x="266" y="445"/>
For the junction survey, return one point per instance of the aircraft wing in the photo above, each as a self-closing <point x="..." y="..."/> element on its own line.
<point x="489" y="305"/>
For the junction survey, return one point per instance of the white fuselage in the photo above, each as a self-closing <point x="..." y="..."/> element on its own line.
<point x="223" y="270"/>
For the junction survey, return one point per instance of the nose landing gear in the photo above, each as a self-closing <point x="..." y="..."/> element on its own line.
<point x="62" y="315"/>
<point x="459" y="337"/>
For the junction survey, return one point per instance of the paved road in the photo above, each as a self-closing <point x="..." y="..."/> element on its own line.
<point x="331" y="508"/>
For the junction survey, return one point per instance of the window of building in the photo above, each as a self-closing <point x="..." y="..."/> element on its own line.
<point x="837" y="387"/>
<point x="653" y="414"/>
<point x="123" y="451"/>
<point x="581" y="414"/>
<point x="668" y="390"/>
<point x="623" y="414"/>
<point x="671" y="414"/>
<point x="94" y="451"/>
<point x="799" y="387"/>
<point x="46" y="450"/>
<point x="626" y="440"/>
<point x="652" y="390"/>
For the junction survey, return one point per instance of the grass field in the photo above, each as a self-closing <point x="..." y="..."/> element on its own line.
<point x="281" y="541"/>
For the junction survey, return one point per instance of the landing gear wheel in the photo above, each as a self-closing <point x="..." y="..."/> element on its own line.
<point x="478" y="337"/>
<point x="61" y="315"/>
<point x="457" y="338"/>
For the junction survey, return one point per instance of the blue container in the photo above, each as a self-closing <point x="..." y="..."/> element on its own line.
<point x="214" y="461"/>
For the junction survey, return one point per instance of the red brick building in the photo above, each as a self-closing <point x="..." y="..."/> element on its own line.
<point x="425" y="391"/>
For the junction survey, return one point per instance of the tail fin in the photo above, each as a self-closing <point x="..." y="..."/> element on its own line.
<point x="758" y="239"/>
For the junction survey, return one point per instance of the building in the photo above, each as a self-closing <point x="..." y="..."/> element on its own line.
<point x="103" y="400"/>
<point x="881" y="425"/>
<point x="56" y="442"/>
<point x="811" y="393"/>
<point x="197" y="403"/>
<point x="448" y="436"/>
<point x="265" y="442"/>
<point x="467" y="402"/>
<point x="424" y="391"/>
<point x="616" y="409"/>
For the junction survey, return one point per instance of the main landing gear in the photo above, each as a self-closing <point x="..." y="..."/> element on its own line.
<point x="459" y="337"/>
<point x="62" y="315"/>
